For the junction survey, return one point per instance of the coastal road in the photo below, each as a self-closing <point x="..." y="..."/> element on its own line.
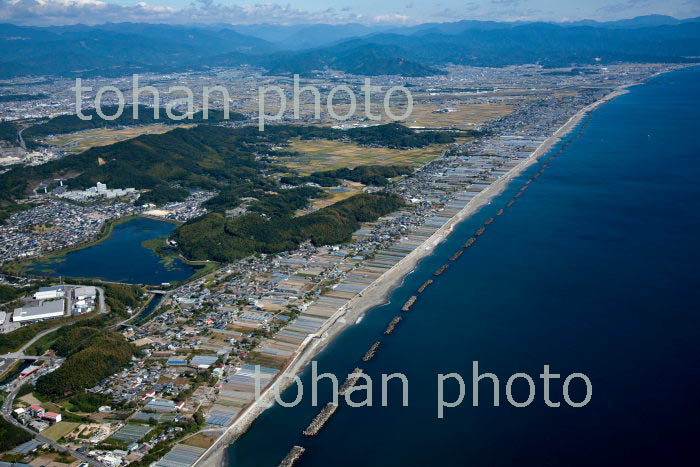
<point x="7" y="415"/>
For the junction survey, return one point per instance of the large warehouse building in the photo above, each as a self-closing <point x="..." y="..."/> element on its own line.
<point x="52" y="309"/>
<point x="49" y="293"/>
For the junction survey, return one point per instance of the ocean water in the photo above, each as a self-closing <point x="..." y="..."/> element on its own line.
<point x="121" y="257"/>
<point x="595" y="269"/>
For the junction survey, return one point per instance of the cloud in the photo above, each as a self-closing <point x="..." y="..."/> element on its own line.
<point x="62" y="12"/>
<point x="393" y="18"/>
<point x="619" y="7"/>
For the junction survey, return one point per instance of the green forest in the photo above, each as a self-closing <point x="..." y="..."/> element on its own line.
<point x="161" y="194"/>
<point x="146" y="116"/>
<point x="22" y="97"/>
<point x="92" y="354"/>
<point x="375" y="175"/>
<point x="204" y="157"/>
<point x="9" y="293"/>
<point x="234" y="162"/>
<point x="8" y="132"/>
<point x="207" y="157"/>
<point x="120" y="296"/>
<point x="11" y="436"/>
<point x="218" y="238"/>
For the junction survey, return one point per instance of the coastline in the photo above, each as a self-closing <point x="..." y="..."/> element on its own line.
<point x="378" y="292"/>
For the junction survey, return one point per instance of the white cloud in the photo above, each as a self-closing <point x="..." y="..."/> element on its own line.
<point x="62" y="12"/>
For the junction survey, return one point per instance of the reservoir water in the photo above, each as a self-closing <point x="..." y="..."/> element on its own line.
<point x="121" y="257"/>
<point x="593" y="270"/>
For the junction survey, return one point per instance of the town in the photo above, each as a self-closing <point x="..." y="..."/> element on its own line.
<point x="190" y="383"/>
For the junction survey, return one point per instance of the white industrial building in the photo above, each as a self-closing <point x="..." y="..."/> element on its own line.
<point x="84" y="299"/>
<point x="45" y="310"/>
<point x="84" y="292"/>
<point x="3" y="315"/>
<point x="50" y="293"/>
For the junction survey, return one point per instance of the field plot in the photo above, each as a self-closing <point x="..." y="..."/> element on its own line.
<point x="462" y="115"/>
<point x="131" y="433"/>
<point x="59" y="430"/>
<point x="336" y="195"/>
<point x="81" y="141"/>
<point x="200" y="440"/>
<point x="321" y="154"/>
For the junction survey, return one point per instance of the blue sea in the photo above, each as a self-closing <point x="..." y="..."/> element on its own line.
<point x="595" y="269"/>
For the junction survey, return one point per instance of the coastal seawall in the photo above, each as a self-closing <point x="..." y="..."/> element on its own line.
<point x="378" y="292"/>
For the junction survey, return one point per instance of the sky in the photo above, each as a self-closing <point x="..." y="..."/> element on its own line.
<point x="371" y="12"/>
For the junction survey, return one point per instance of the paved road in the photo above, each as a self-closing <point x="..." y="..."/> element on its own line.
<point x="18" y="356"/>
<point x="21" y="140"/>
<point x="11" y="357"/>
<point x="7" y="415"/>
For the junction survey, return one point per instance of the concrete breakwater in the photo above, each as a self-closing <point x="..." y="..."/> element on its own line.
<point x="371" y="352"/>
<point x="350" y="381"/>
<point x="409" y="303"/>
<point x="392" y="324"/>
<point x="292" y="457"/>
<point x="323" y="416"/>
<point x="425" y="285"/>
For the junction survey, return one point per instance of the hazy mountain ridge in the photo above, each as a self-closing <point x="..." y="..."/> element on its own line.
<point x="124" y="48"/>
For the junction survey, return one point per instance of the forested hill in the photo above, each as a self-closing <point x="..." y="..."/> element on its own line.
<point x="146" y="115"/>
<point x="235" y="162"/>
<point x="92" y="354"/>
<point x="204" y="157"/>
<point x="201" y="157"/>
<point x="215" y="237"/>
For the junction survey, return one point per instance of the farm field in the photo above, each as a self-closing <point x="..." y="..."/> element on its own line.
<point x="59" y="430"/>
<point x="84" y="140"/>
<point x="463" y="117"/>
<point x="200" y="440"/>
<point x="318" y="155"/>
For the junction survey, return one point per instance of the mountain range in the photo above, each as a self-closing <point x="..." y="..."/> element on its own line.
<point x="122" y="48"/>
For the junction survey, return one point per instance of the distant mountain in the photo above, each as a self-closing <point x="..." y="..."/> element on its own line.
<point x="116" y="49"/>
<point x="647" y="21"/>
<point x="355" y="57"/>
<point x="306" y="36"/>
<point x="543" y="43"/>
<point x="124" y="48"/>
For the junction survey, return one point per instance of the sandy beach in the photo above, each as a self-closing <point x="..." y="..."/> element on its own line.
<point x="378" y="292"/>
